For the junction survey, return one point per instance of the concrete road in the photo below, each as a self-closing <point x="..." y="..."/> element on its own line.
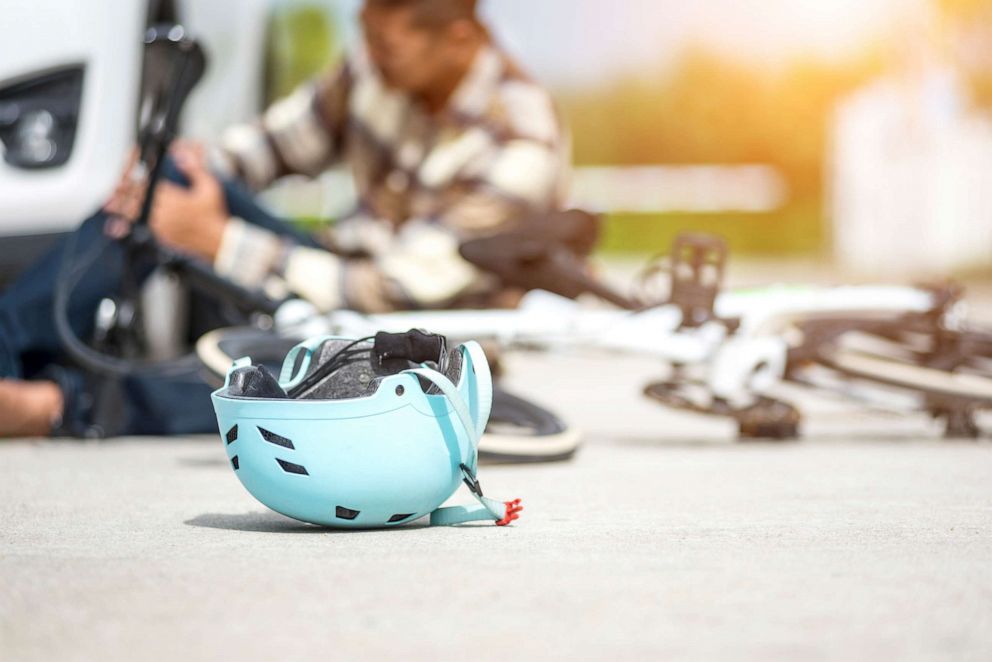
<point x="663" y="539"/>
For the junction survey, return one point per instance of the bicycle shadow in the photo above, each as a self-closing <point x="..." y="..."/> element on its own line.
<point x="818" y="438"/>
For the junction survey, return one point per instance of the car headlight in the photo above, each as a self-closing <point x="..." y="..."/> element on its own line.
<point x="38" y="118"/>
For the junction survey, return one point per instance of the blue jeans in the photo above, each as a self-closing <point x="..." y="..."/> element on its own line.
<point x="30" y="347"/>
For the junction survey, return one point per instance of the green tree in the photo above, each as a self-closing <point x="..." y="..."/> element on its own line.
<point x="303" y="41"/>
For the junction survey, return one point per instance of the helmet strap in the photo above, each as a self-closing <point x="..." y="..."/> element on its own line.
<point x="488" y="509"/>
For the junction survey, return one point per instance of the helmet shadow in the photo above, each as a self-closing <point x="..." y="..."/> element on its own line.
<point x="271" y="522"/>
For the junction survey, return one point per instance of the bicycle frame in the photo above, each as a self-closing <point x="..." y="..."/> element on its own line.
<point x="740" y="364"/>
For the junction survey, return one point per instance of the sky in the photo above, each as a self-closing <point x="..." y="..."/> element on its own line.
<point x="574" y="42"/>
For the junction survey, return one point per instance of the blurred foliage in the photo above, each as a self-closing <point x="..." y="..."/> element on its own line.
<point x="792" y="230"/>
<point x="969" y="31"/>
<point x="708" y="108"/>
<point x="966" y="9"/>
<point x="303" y="42"/>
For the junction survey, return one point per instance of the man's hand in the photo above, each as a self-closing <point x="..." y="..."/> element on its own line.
<point x="190" y="219"/>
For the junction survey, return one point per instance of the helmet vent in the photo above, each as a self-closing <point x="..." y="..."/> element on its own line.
<point x="273" y="438"/>
<point x="399" y="518"/>
<point x="345" y="513"/>
<point x="291" y="468"/>
<point x="234" y="462"/>
<point x="232" y="435"/>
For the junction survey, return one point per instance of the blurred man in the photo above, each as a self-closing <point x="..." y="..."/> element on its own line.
<point x="446" y="139"/>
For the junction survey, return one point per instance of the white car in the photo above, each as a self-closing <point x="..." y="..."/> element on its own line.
<point x="69" y="83"/>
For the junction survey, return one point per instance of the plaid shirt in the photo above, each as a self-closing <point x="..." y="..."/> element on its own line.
<point x="425" y="182"/>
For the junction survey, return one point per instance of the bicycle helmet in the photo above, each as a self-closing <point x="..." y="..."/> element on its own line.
<point x="374" y="432"/>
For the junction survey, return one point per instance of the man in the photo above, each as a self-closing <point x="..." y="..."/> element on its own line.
<point x="446" y="139"/>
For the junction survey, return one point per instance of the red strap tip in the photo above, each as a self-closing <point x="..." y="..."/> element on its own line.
<point x="513" y="509"/>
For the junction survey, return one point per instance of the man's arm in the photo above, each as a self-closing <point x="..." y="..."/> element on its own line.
<point x="300" y="134"/>
<point x="419" y="266"/>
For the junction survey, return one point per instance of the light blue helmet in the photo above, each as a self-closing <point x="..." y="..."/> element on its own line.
<point x="362" y="433"/>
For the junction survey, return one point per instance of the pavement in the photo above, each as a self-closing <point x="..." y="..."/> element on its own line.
<point x="663" y="539"/>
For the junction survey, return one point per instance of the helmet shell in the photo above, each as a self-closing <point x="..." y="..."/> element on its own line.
<point x="373" y="461"/>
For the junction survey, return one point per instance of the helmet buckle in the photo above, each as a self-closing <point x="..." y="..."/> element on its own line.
<point x="468" y="477"/>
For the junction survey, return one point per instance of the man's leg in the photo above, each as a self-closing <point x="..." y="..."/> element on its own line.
<point x="30" y="347"/>
<point x="58" y="396"/>
<point x="27" y="323"/>
<point x="29" y="344"/>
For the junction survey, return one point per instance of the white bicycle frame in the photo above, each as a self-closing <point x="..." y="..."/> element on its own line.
<point x="736" y="366"/>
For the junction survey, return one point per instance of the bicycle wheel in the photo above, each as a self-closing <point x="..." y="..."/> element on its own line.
<point x="522" y="431"/>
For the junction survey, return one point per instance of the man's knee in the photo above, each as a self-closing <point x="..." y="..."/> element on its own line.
<point x="9" y="363"/>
